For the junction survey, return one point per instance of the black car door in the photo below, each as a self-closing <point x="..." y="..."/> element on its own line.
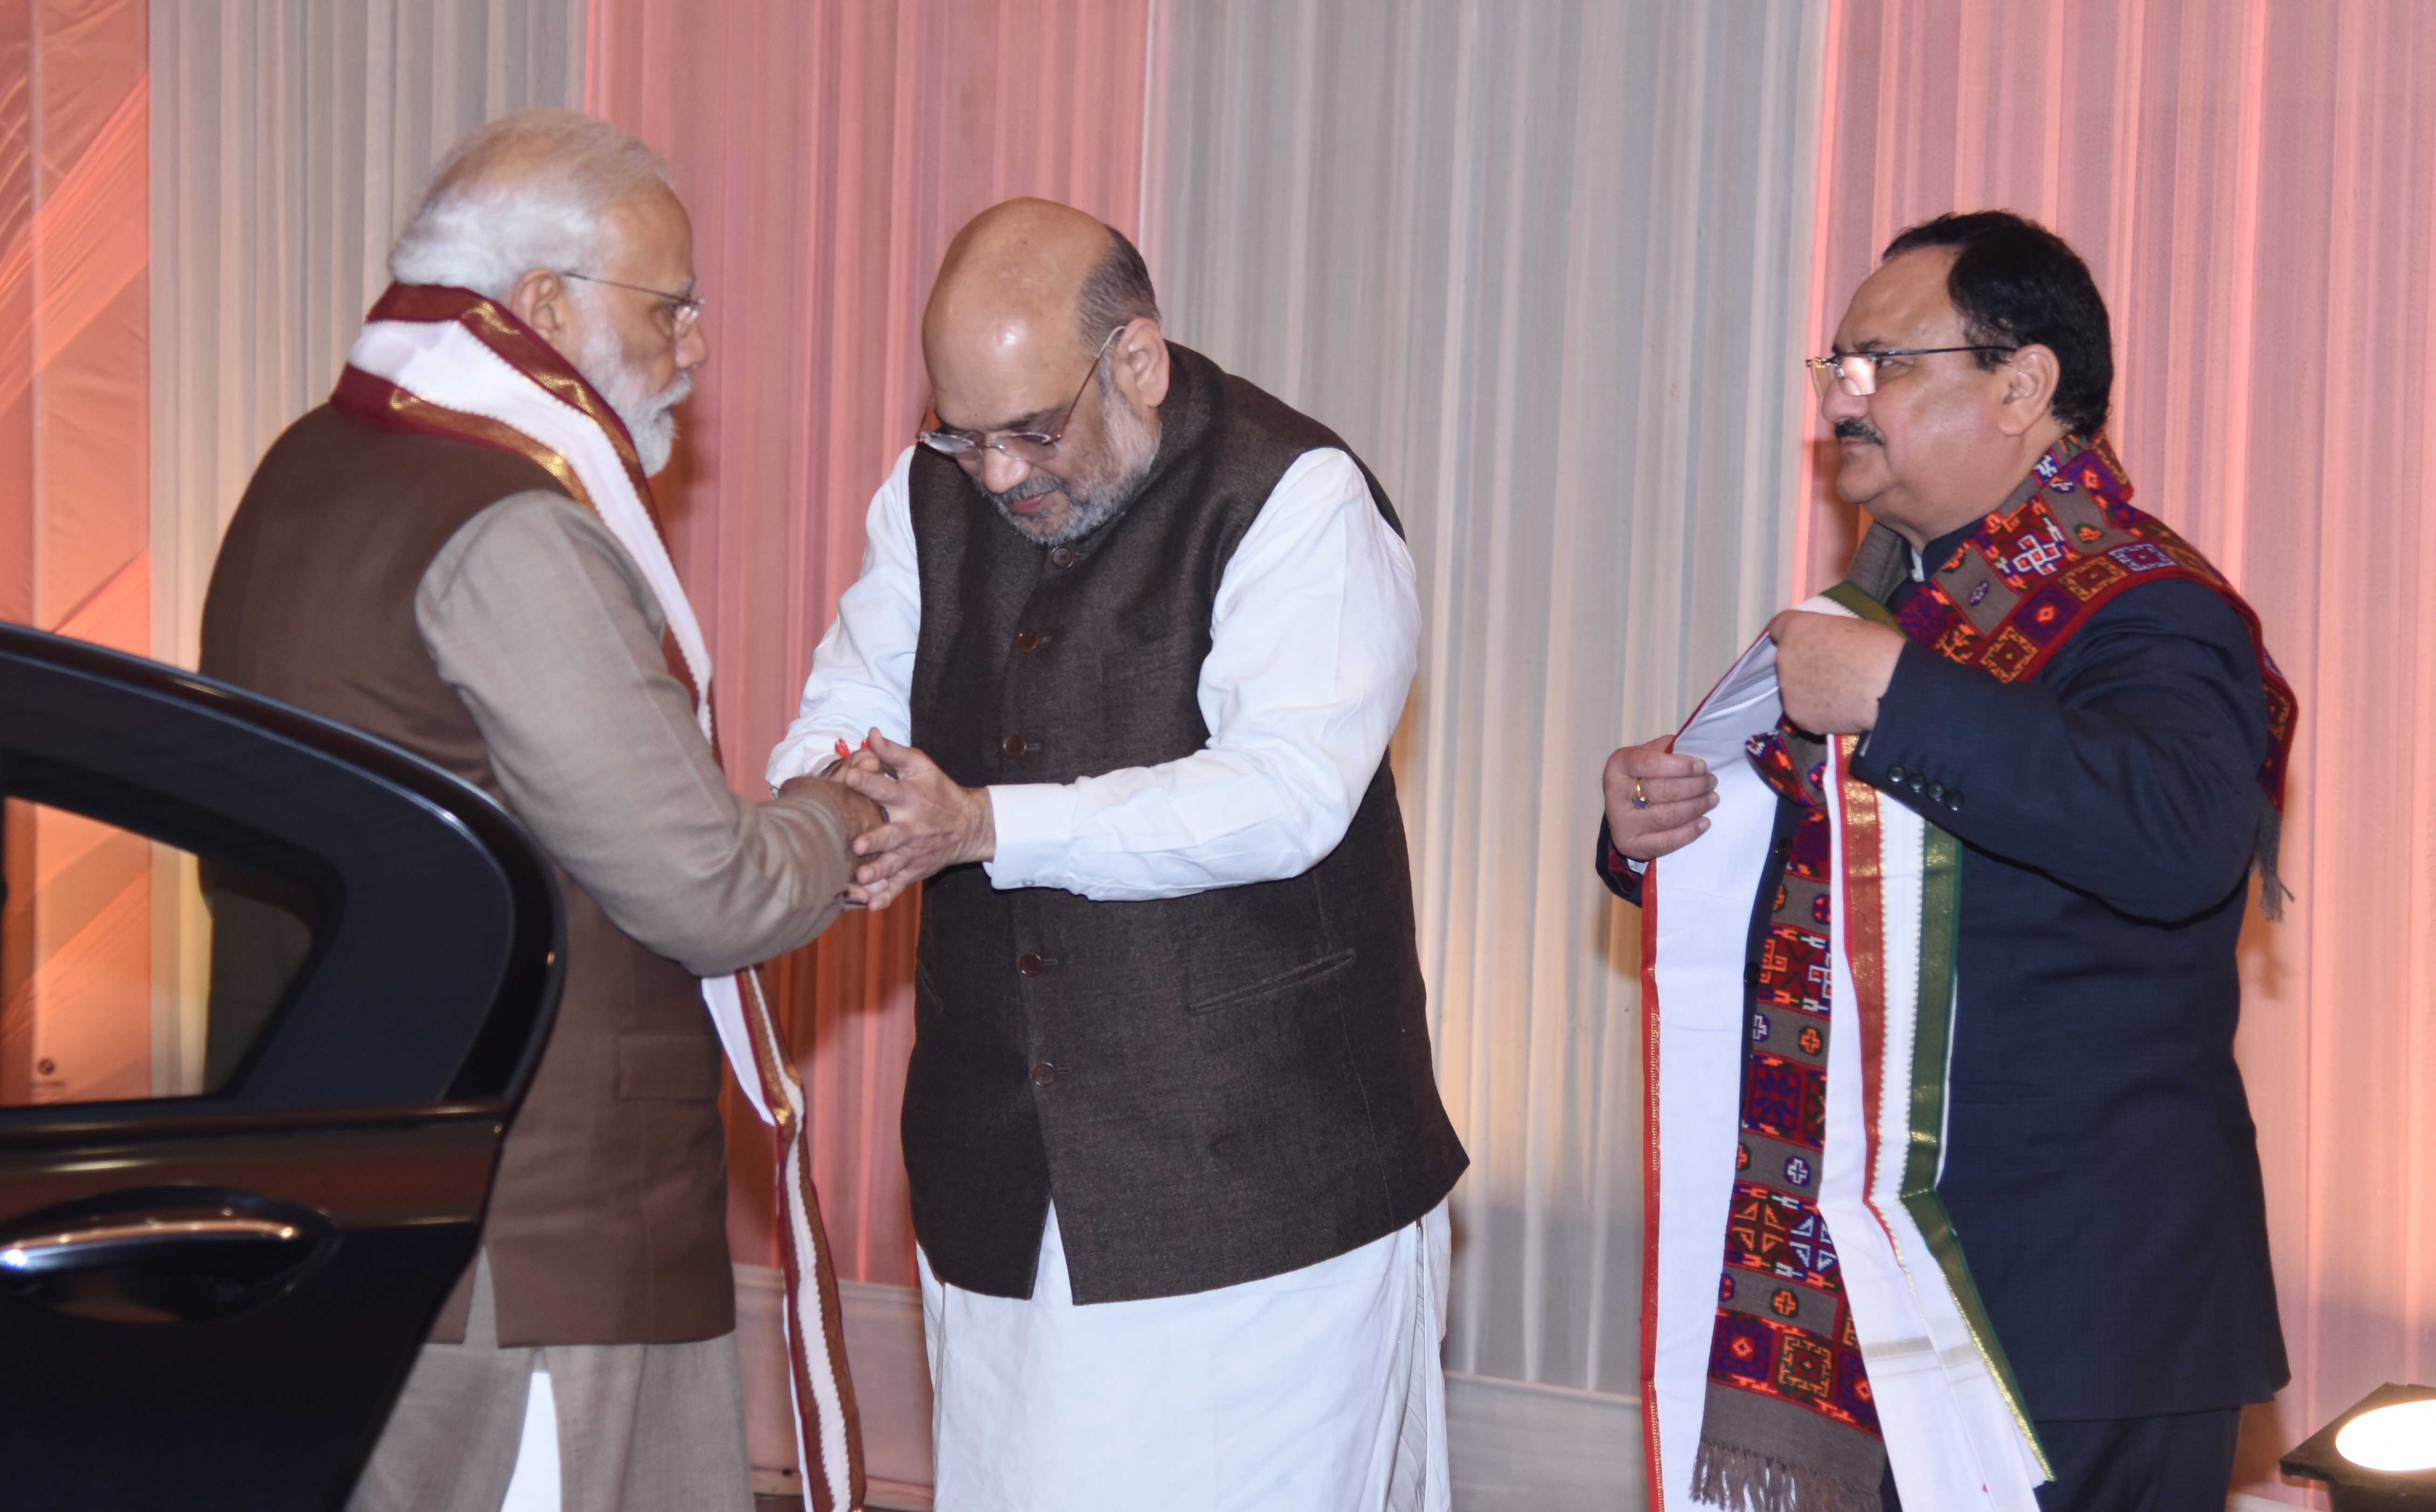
<point x="210" y="1295"/>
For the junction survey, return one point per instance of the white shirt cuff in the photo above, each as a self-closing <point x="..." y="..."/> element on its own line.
<point x="1034" y="824"/>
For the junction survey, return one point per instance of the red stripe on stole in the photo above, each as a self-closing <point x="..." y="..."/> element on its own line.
<point x="1652" y="1466"/>
<point x="1862" y="911"/>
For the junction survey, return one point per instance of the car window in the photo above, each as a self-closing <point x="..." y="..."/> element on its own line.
<point x="132" y="968"/>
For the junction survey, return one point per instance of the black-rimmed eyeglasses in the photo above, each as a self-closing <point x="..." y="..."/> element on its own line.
<point x="1859" y="369"/>
<point x="676" y="312"/>
<point x="1034" y="448"/>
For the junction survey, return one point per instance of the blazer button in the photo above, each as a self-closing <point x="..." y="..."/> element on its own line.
<point x="1014" y="746"/>
<point x="1043" y="1074"/>
<point x="1917" y="783"/>
<point x="1061" y="556"/>
<point x="1030" y="964"/>
<point x="1954" y="802"/>
<point x="1937" y="793"/>
<point x="1027" y="641"/>
<point x="1895" y="776"/>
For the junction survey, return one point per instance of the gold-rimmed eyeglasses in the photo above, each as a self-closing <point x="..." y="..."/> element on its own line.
<point x="676" y="313"/>
<point x="1858" y="370"/>
<point x="1034" y="448"/>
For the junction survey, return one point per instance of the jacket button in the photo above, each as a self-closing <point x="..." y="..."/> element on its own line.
<point x="1043" y="1073"/>
<point x="1895" y="776"/>
<point x="1917" y="784"/>
<point x="1954" y="801"/>
<point x="1014" y="746"/>
<point x="1030" y="964"/>
<point x="1027" y="641"/>
<point x="1061" y="556"/>
<point x="1937" y="793"/>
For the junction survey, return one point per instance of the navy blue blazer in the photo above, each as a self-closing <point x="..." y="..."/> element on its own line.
<point x="2101" y="1167"/>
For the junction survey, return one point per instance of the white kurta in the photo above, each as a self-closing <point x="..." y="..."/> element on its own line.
<point x="1315" y="1391"/>
<point x="1313" y="640"/>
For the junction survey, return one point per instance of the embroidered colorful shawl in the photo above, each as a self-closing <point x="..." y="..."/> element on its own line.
<point x="449" y="362"/>
<point x="1788" y="1425"/>
<point x="1952" y="1419"/>
<point x="2062" y="547"/>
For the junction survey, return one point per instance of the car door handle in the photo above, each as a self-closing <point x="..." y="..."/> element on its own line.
<point x="162" y="1255"/>
<point x="144" y="1240"/>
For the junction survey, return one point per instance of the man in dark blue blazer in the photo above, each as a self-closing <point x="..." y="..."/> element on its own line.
<point x="2101" y="1167"/>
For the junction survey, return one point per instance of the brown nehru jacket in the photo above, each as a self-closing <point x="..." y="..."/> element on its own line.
<point x="453" y="599"/>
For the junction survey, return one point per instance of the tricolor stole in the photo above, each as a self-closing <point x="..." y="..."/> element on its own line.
<point x="1955" y="1428"/>
<point x="449" y="362"/>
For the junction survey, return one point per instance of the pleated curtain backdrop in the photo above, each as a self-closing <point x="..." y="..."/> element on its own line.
<point x="2251" y="186"/>
<point x="75" y="549"/>
<point x="290" y="139"/>
<point x="1543" y="267"/>
<point x="1548" y="268"/>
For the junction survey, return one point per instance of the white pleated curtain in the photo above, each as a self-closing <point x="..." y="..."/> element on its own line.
<point x="290" y="137"/>
<point x="1541" y="265"/>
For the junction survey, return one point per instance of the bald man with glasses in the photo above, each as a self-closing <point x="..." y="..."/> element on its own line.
<point x="1129" y="645"/>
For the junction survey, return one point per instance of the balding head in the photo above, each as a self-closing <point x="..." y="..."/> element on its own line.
<point x="1026" y="288"/>
<point x="1028" y="294"/>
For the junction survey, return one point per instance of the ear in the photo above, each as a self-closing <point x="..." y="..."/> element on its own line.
<point x="1140" y="361"/>
<point x="2030" y="377"/>
<point x="542" y="299"/>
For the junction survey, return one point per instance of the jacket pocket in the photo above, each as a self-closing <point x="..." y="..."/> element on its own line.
<point x="678" y="1068"/>
<point x="1310" y="971"/>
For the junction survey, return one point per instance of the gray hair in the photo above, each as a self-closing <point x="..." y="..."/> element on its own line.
<point x="1117" y="290"/>
<point x="527" y="191"/>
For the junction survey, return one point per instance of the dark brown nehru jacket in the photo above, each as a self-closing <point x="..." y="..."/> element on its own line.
<point x="608" y="1222"/>
<point x="1216" y="1087"/>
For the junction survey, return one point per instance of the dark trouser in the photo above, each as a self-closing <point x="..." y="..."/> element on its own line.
<point x="2183" y="1463"/>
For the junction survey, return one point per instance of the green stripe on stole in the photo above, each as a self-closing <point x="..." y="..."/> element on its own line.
<point x="1931" y="1062"/>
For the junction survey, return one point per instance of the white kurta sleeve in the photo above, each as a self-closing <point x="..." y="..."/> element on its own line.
<point x="862" y="671"/>
<point x="1314" y="640"/>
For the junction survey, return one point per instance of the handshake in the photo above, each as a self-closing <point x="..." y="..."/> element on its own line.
<point x="914" y="818"/>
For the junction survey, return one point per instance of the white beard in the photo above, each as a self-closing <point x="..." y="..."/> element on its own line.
<point x="650" y="418"/>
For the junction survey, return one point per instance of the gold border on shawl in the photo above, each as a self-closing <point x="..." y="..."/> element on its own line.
<point x="520" y="349"/>
<point x="1865" y="940"/>
<point x="409" y="405"/>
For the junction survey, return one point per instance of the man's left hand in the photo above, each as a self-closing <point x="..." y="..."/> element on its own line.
<point x="932" y="823"/>
<point x="1833" y="669"/>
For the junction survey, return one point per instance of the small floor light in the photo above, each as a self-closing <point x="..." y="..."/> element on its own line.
<point x="2377" y="1456"/>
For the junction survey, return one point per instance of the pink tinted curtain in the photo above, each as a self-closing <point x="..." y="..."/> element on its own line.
<point x="76" y="1004"/>
<point x="2254" y="187"/>
<point x="827" y="151"/>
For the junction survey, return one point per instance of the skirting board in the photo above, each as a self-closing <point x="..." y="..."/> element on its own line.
<point x="1511" y="1444"/>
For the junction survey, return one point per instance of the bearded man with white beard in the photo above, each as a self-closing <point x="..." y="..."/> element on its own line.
<point x="1129" y="641"/>
<point x="459" y="553"/>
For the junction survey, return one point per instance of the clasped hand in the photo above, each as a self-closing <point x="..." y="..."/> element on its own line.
<point x="933" y="823"/>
